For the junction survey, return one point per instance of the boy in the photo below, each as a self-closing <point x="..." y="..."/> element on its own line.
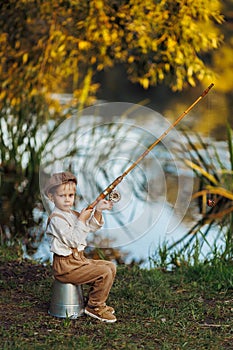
<point x="68" y="230"/>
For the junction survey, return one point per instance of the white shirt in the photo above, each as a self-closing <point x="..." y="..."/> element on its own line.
<point x="68" y="231"/>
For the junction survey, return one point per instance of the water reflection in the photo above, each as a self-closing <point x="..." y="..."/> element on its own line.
<point x="156" y="204"/>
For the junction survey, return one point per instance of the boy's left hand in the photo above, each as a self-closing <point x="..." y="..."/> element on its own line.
<point x="104" y="204"/>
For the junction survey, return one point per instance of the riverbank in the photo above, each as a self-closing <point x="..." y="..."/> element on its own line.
<point x="190" y="308"/>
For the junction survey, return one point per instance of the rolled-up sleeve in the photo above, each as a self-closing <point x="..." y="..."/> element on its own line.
<point x="94" y="224"/>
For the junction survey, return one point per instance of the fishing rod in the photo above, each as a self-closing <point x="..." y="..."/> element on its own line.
<point x="114" y="196"/>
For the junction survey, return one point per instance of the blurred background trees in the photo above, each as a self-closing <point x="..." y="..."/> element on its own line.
<point x="52" y="47"/>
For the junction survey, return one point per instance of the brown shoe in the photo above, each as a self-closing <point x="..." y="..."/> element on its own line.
<point x="110" y="309"/>
<point x="102" y="313"/>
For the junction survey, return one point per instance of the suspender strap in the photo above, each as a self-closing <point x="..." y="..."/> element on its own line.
<point x="58" y="215"/>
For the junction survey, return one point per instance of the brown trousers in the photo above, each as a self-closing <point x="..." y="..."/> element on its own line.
<point x="77" y="269"/>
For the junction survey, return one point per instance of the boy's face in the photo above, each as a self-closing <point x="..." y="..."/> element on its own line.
<point x="64" y="196"/>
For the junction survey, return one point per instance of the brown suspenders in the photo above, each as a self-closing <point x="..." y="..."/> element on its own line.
<point x="61" y="217"/>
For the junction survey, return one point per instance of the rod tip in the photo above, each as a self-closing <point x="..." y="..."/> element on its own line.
<point x="207" y="90"/>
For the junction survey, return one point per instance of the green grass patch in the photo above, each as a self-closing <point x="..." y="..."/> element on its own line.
<point x="189" y="308"/>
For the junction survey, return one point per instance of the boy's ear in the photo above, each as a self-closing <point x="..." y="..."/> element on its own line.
<point x="50" y="197"/>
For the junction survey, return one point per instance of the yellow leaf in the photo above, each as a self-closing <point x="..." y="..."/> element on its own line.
<point x="53" y="53"/>
<point x="190" y="71"/>
<point x="13" y="101"/>
<point x="214" y="43"/>
<point x="83" y="45"/>
<point x="17" y="44"/>
<point x="25" y="57"/>
<point x="34" y="92"/>
<point x="93" y="59"/>
<point x="61" y="48"/>
<point x="167" y="67"/>
<point x="100" y="66"/>
<point x="2" y="95"/>
<point x="160" y="74"/>
<point x="131" y="59"/>
<point x="145" y="82"/>
<point x="191" y="81"/>
<point x="114" y="36"/>
<point x="121" y="15"/>
<point x="179" y="58"/>
<point x="99" y="4"/>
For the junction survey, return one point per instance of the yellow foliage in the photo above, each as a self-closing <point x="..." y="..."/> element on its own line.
<point x="84" y="45"/>
<point x="61" y="48"/>
<point x="144" y="82"/>
<point x="157" y="41"/>
<point x="53" y="53"/>
<point x="17" y="44"/>
<point x="98" y="4"/>
<point x="100" y="66"/>
<point x="3" y="94"/>
<point x="160" y="74"/>
<point x="131" y="59"/>
<point x="191" y="81"/>
<point x="93" y="59"/>
<point x="13" y="101"/>
<point x="25" y="58"/>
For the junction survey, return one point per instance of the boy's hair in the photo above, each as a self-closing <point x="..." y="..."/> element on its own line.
<point x="57" y="180"/>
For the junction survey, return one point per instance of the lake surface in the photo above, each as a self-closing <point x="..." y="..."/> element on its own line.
<point x="156" y="205"/>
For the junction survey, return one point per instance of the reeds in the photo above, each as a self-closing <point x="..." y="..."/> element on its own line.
<point x="214" y="170"/>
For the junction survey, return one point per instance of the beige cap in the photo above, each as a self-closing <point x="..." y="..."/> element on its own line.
<point x="59" y="179"/>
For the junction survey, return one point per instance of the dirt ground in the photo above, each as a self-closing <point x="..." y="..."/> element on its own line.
<point x="20" y="283"/>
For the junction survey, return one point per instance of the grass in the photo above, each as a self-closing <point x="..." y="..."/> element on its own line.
<point x="189" y="308"/>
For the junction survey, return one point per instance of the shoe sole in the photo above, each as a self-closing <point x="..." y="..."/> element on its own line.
<point x="99" y="318"/>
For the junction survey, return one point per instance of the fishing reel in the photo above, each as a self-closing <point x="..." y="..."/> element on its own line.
<point x="114" y="196"/>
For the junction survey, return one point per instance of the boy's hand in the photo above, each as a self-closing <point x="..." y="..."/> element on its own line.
<point x="104" y="204"/>
<point x="85" y="214"/>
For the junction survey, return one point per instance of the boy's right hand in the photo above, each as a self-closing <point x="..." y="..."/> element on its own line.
<point x="85" y="214"/>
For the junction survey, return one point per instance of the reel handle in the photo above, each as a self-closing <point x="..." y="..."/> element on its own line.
<point x="114" y="196"/>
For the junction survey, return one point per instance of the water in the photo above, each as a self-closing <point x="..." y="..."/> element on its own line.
<point x="156" y="205"/>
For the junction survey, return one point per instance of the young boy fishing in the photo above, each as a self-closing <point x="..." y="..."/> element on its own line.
<point x="67" y="230"/>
